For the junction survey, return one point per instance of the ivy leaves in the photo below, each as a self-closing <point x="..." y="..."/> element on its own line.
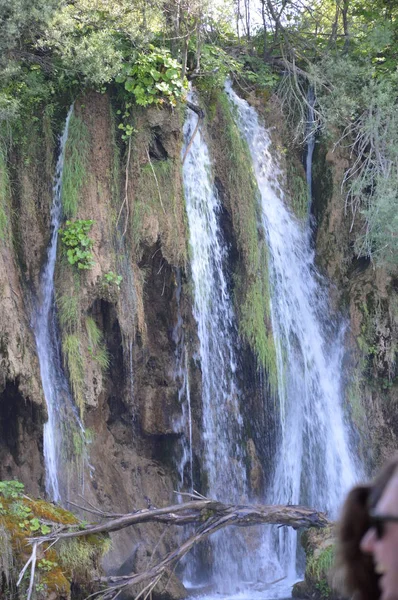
<point x="154" y="78"/>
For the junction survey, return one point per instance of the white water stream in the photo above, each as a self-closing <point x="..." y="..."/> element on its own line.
<point x="62" y="414"/>
<point x="183" y="425"/>
<point x="223" y="458"/>
<point x="314" y="465"/>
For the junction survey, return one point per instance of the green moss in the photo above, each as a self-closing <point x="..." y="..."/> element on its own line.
<point x="75" y="165"/>
<point x="74" y="561"/>
<point x="354" y="396"/>
<point x="74" y="361"/>
<point x="297" y="186"/>
<point x="252" y="298"/>
<point x="78" y="554"/>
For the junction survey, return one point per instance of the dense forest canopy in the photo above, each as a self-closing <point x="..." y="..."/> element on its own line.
<point x="144" y="51"/>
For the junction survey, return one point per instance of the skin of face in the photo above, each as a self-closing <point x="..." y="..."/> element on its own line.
<point x="385" y="550"/>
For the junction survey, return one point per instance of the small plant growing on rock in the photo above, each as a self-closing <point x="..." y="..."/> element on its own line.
<point x="75" y="237"/>
<point x="112" y="278"/>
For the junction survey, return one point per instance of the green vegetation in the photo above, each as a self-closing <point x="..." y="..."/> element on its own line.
<point x="318" y="569"/>
<point x="153" y="78"/>
<point x="68" y="312"/>
<point x="346" y="51"/>
<point x="74" y="362"/>
<point x="75" y="165"/>
<point x="252" y="299"/>
<point x="297" y="187"/>
<point x="4" y="191"/>
<point x="320" y="563"/>
<point x="11" y="489"/>
<point x="73" y="562"/>
<point x="78" y="243"/>
<point x="96" y="347"/>
<point x="112" y="278"/>
<point x="158" y="204"/>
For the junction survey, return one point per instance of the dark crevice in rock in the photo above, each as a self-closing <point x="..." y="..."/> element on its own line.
<point x="21" y="438"/>
<point x="157" y="150"/>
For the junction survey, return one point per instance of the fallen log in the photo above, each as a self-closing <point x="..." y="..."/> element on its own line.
<point x="207" y="515"/>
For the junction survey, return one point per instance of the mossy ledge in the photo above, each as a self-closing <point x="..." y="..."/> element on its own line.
<point x="319" y="546"/>
<point x="60" y="568"/>
<point x="241" y="198"/>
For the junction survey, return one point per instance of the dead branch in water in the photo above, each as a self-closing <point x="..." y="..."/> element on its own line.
<point x="208" y="515"/>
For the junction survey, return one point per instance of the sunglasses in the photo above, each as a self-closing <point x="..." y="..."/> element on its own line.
<point x="378" y="523"/>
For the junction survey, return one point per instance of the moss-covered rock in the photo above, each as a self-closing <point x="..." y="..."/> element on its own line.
<point x="65" y="570"/>
<point x="319" y="546"/>
<point x="237" y="183"/>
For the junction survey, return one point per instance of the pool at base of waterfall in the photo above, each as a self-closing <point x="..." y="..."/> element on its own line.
<point x="279" y="590"/>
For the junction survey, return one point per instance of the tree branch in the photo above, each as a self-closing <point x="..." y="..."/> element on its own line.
<point x="208" y="515"/>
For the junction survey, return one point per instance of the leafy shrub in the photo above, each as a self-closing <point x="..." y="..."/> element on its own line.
<point x="11" y="489"/>
<point x="74" y="237"/>
<point x="154" y="78"/>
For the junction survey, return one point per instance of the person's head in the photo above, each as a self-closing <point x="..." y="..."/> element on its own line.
<point x="381" y="539"/>
<point x="367" y="556"/>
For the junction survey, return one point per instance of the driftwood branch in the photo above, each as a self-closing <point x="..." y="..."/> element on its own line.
<point x="201" y="115"/>
<point x="200" y="511"/>
<point x="199" y="111"/>
<point x="207" y="515"/>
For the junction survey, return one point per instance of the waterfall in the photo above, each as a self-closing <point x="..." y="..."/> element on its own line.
<point x="184" y="423"/>
<point x="314" y="465"/>
<point x="62" y="414"/>
<point x="223" y="459"/>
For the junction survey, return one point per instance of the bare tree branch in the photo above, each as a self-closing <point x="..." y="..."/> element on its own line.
<point x="208" y="515"/>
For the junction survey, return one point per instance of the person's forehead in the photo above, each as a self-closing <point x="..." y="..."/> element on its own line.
<point x="388" y="503"/>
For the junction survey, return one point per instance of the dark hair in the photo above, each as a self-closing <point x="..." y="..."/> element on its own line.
<point x="354" y="573"/>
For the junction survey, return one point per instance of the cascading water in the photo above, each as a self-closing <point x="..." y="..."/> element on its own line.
<point x="184" y="423"/>
<point x="314" y="465"/>
<point x="61" y="411"/>
<point x="223" y="460"/>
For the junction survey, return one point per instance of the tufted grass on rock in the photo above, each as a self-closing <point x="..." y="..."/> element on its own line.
<point x="96" y="345"/>
<point x="74" y="361"/>
<point x="319" y="565"/>
<point x="68" y="312"/>
<point x="75" y="165"/>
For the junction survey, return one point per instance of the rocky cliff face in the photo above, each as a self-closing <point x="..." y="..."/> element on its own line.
<point x="120" y="315"/>
<point x="367" y="295"/>
<point x="116" y="320"/>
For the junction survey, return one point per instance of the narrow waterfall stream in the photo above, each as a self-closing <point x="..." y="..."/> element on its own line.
<point x="222" y="422"/>
<point x="63" y="421"/>
<point x="314" y="465"/>
<point x="184" y="423"/>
